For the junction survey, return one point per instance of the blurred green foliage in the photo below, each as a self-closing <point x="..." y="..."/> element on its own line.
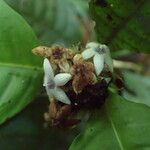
<point x="28" y="131"/>
<point x="122" y="24"/>
<point x="55" y="21"/>
<point x="138" y="88"/>
<point x="19" y="69"/>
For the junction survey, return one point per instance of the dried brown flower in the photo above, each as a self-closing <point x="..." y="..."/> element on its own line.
<point x="60" y="56"/>
<point x="83" y="74"/>
<point x="60" y="115"/>
<point x="42" y="51"/>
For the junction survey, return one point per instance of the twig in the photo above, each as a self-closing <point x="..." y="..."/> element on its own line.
<point x="126" y="65"/>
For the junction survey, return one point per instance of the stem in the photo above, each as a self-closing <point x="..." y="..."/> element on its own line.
<point x="126" y="65"/>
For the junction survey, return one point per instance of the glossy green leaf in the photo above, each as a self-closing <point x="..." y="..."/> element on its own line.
<point x="122" y="24"/>
<point x="55" y="21"/>
<point x="138" y="88"/>
<point x="20" y="75"/>
<point x="119" y="125"/>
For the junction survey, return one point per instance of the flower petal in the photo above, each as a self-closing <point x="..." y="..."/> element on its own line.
<point x="88" y="53"/>
<point x="98" y="63"/>
<point x="62" y="78"/>
<point x="49" y="74"/>
<point x="45" y="81"/>
<point x="50" y="92"/>
<point x="61" y="96"/>
<point x="92" y="45"/>
<point x="108" y="60"/>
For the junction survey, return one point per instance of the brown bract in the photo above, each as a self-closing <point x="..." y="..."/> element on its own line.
<point x="83" y="74"/>
<point x="60" y="116"/>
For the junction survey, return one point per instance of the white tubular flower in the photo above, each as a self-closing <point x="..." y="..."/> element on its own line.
<point x="52" y="83"/>
<point x="100" y="54"/>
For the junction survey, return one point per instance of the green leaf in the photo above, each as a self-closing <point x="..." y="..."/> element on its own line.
<point x="54" y="21"/>
<point x="122" y="24"/>
<point x="138" y="88"/>
<point x="20" y="75"/>
<point x="20" y="133"/>
<point x="119" y="125"/>
<point x="27" y="131"/>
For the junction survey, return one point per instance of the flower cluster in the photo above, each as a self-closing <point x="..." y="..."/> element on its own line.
<point x="64" y="67"/>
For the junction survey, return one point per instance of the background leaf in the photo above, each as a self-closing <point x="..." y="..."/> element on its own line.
<point x="118" y="125"/>
<point x="122" y="24"/>
<point x="28" y="131"/>
<point x="56" y="21"/>
<point x="20" y="75"/>
<point x="138" y="88"/>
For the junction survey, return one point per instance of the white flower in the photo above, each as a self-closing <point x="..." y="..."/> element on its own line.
<point x="101" y="55"/>
<point x="52" y="83"/>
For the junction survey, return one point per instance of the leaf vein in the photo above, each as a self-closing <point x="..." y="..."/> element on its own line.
<point x="20" y="66"/>
<point x="114" y="129"/>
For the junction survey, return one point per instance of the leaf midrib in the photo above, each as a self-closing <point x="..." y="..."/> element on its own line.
<point x="114" y="128"/>
<point x="20" y="66"/>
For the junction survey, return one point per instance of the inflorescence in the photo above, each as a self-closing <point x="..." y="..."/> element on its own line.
<point x="74" y="80"/>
